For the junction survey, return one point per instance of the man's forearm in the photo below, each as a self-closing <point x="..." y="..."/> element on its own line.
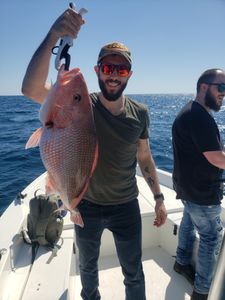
<point x="149" y="172"/>
<point x="34" y="83"/>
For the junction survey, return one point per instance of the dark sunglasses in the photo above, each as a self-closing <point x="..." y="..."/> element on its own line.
<point x="108" y="69"/>
<point x="220" y="86"/>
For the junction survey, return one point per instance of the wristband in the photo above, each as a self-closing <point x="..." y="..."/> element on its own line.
<point x="159" y="197"/>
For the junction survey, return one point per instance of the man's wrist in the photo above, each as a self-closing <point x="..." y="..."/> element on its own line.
<point x="159" y="197"/>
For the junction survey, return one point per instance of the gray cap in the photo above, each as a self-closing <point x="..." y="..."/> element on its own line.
<point x="115" y="48"/>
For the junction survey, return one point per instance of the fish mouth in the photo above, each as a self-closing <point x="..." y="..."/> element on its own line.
<point x="49" y="124"/>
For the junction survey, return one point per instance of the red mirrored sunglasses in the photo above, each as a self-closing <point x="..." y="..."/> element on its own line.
<point x="108" y="69"/>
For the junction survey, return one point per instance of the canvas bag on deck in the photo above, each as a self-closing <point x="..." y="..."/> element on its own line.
<point x="44" y="223"/>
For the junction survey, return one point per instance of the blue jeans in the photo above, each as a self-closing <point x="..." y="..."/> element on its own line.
<point x="206" y="220"/>
<point x="124" y="221"/>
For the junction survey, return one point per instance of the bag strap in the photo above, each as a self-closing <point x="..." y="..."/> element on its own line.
<point x="34" y="251"/>
<point x="54" y="251"/>
<point x="34" y="245"/>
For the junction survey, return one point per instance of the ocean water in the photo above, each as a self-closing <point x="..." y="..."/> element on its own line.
<point x="19" y="118"/>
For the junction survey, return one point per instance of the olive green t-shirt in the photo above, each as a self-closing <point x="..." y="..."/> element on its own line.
<point x="114" y="181"/>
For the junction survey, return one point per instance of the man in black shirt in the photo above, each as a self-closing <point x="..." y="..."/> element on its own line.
<point x="199" y="161"/>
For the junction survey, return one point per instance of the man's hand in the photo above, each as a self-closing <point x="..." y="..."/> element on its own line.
<point x="161" y="213"/>
<point x="69" y="23"/>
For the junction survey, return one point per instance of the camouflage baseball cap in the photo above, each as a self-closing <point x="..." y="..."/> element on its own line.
<point x="115" y="48"/>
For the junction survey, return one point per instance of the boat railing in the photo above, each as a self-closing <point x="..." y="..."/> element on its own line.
<point x="217" y="289"/>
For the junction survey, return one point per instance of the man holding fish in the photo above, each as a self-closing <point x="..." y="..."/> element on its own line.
<point x="108" y="198"/>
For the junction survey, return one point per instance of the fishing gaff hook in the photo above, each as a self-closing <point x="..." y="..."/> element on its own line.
<point x="64" y="45"/>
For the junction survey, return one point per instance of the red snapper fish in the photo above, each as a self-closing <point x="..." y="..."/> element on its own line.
<point x="67" y="140"/>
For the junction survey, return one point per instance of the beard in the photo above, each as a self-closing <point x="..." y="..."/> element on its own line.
<point x="111" y="96"/>
<point x="210" y="101"/>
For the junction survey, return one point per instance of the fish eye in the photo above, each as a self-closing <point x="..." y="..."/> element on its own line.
<point x="77" y="97"/>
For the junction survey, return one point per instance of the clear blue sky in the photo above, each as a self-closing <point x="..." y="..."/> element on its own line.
<point x="172" y="41"/>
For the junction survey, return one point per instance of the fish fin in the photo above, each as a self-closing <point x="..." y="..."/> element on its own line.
<point x="34" y="139"/>
<point x="76" y="200"/>
<point x="50" y="185"/>
<point x="95" y="160"/>
<point x="76" y="218"/>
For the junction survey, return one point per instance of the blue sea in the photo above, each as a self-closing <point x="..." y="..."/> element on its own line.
<point x="19" y="118"/>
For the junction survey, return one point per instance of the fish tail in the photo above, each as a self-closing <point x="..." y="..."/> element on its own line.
<point x="50" y="185"/>
<point x="76" y="218"/>
<point x="34" y="139"/>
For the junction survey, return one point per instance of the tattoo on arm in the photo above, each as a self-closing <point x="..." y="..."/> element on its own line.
<point x="149" y="179"/>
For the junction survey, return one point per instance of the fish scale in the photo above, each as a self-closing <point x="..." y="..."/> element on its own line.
<point x="76" y="171"/>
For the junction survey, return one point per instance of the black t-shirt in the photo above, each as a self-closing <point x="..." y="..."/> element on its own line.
<point x="195" y="131"/>
<point x="114" y="181"/>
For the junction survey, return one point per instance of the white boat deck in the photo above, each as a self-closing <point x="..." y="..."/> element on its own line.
<point x="162" y="283"/>
<point x="58" y="278"/>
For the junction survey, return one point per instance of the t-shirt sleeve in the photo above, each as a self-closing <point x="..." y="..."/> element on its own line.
<point x="146" y="122"/>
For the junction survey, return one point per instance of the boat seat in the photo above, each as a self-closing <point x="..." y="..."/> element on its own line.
<point x="42" y="275"/>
